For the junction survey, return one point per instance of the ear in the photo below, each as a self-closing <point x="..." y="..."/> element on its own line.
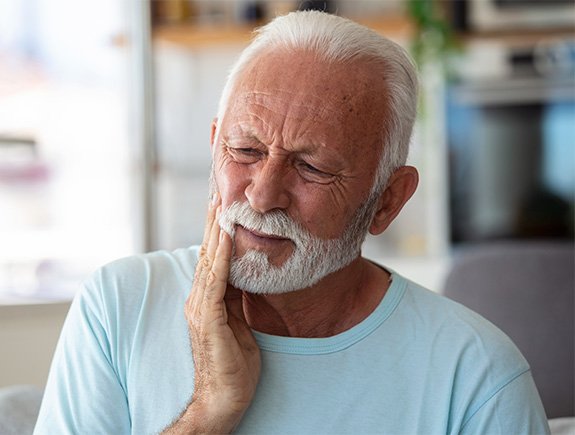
<point x="400" y="187"/>
<point x="213" y="132"/>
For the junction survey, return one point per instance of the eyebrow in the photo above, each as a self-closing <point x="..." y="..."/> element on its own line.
<point x="307" y="148"/>
<point x="238" y="130"/>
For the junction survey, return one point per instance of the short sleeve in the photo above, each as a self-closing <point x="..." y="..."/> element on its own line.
<point x="84" y="393"/>
<point x="514" y="409"/>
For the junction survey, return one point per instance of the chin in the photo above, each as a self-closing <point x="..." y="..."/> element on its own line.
<point x="254" y="273"/>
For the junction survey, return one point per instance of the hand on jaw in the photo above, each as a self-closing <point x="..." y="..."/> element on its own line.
<point x="226" y="356"/>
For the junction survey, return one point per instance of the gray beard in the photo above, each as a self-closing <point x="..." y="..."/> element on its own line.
<point x="313" y="258"/>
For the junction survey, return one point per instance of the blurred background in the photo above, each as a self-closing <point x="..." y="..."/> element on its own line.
<point x="105" y="112"/>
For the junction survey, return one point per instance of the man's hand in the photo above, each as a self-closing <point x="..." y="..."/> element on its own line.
<point x="226" y="356"/>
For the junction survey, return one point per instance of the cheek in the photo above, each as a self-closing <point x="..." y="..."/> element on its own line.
<point x="323" y="214"/>
<point x="231" y="182"/>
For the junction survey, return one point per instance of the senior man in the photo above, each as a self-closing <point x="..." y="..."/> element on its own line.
<point x="286" y="328"/>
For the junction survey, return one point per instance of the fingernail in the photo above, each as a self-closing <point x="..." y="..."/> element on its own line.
<point x="214" y="198"/>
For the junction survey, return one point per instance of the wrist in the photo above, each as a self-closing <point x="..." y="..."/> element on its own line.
<point x="202" y="418"/>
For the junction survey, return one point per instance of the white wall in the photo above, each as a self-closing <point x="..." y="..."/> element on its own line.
<point x="28" y="336"/>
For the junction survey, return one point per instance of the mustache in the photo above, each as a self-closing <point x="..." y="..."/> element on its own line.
<point x="275" y="223"/>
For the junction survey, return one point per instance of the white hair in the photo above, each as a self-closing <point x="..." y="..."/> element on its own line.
<point x="339" y="40"/>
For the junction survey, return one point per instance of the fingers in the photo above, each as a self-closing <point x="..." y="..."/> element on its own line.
<point x="222" y="259"/>
<point x="206" y="254"/>
<point x="211" y="219"/>
<point x="213" y="266"/>
<point x="214" y="236"/>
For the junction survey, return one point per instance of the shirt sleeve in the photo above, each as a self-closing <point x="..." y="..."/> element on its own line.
<point x="514" y="409"/>
<point x="84" y="392"/>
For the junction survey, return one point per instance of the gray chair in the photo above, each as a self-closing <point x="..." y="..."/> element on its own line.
<point x="526" y="289"/>
<point x="19" y="406"/>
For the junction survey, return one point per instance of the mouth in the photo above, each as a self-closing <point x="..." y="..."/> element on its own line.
<point x="263" y="236"/>
<point x="246" y="239"/>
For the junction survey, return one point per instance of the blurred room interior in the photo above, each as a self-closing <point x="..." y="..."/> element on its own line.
<point x="105" y="112"/>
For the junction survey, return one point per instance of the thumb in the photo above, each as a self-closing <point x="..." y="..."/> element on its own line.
<point x="234" y="302"/>
<point x="236" y="317"/>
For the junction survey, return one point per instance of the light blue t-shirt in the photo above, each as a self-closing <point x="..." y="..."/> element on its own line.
<point x="419" y="364"/>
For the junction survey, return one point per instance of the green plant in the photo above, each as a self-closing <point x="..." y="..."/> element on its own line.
<point x="434" y="37"/>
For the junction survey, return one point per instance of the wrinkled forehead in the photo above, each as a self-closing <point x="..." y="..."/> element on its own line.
<point x="308" y="106"/>
<point x="310" y="87"/>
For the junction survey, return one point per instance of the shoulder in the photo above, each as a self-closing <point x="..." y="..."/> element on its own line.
<point x="145" y="271"/>
<point x="120" y="290"/>
<point x="150" y="265"/>
<point x="457" y="323"/>
<point x="476" y="359"/>
<point x="466" y="341"/>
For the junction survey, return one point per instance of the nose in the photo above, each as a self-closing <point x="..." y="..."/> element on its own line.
<point x="268" y="188"/>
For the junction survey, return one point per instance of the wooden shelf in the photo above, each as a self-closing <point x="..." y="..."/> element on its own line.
<point x="196" y="36"/>
<point x="190" y="35"/>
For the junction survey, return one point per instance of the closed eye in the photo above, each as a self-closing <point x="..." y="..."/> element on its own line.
<point x="311" y="168"/>
<point x="247" y="151"/>
<point x="313" y="174"/>
<point x="245" y="155"/>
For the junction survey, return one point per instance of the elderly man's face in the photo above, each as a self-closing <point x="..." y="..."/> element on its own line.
<point x="303" y="138"/>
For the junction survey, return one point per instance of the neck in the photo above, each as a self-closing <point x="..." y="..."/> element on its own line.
<point x="338" y="302"/>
